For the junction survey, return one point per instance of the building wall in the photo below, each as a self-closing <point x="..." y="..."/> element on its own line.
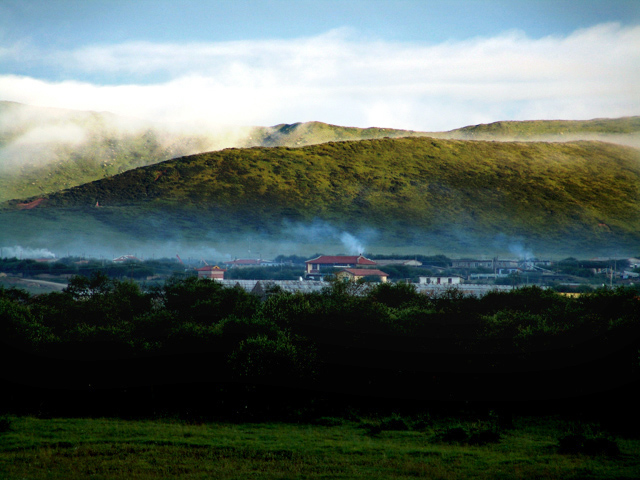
<point x="440" y="280"/>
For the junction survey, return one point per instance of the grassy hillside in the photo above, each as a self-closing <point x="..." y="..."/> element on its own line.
<point x="419" y="191"/>
<point x="43" y="150"/>
<point x="312" y="133"/>
<point x="625" y="131"/>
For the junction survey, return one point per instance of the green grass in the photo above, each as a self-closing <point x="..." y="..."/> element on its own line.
<point x="146" y="449"/>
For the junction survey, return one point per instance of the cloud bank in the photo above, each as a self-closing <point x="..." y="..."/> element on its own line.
<point x="342" y="79"/>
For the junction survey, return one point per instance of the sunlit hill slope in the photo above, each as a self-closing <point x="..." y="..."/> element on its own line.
<point x="418" y="191"/>
<point x="43" y="150"/>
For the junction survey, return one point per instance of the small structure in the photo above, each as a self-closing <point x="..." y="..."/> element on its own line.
<point x="126" y="258"/>
<point x="324" y="264"/>
<point x="440" y="280"/>
<point x="212" y="272"/>
<point x="247" y="262"/>
<point x="354" y="274"/>
<point x="489" y="264"/>
<point x="400" y="261"/>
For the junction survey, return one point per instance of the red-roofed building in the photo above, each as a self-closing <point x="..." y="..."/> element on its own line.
<point x="358" y="273"/>
<point x="324" y="264"/>
<point x="212" y="272"/>
<point x="126" y="258"/>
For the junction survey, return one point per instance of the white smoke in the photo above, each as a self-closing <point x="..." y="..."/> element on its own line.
<point x="520" y="251"/>
<point x="325" y="233"/>
<point x="351" y="243"/>
<point x="21" y="252"/>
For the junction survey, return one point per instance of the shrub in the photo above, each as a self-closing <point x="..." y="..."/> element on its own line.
<point x="5" y="424"/>
<point x="328" y="421"/>
<point x="454" y="434"/>
<point x="483" y="437"/>
<point x="580" y="444"/>
<point x="394" y="423"/>
<point x="601" y="446"/>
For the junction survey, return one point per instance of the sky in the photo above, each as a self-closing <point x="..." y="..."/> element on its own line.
<point x="421" y="65"/>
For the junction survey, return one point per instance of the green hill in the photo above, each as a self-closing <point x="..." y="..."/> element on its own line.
<point x="439" y="194"/>
<point x="43" y="150"/>
<point x="624" y="130"/>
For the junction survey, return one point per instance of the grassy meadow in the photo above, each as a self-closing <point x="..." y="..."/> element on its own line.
<point x="103" y="448"/>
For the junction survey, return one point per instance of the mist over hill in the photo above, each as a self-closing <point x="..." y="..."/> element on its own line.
<point x="381" y="195"/>
<point x="43" y="150"/>
<point x="623" y="131"/>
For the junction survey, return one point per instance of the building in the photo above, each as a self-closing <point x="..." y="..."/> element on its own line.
<point x="354" y="274"/>
<point x="325" y="264"/>
<point x="126" y="258"/>
<point x="248" y="262"/>
<point x="400" y="261"/>
<point x="212" y="272"/>
<point x="490" y="264"/>
<point x="440" y="280"/>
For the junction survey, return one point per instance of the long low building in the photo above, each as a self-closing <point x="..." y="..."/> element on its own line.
<point x="325" y="264"/>
<point x="261" y="287"/>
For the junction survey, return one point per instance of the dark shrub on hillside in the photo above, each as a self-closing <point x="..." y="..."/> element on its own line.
<point x="483" y="437"/>
<point x="600" y="446"/>
<point x="329" y="421"/>
<point x="394" y="423"/>
<point x="571" y="444"/>
<point x="454" y="434"/>
<point x="579" y="444"/>
<point x="5" y="424"/>
<point x="372" y="429"/>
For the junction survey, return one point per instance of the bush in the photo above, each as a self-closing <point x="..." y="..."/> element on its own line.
<point x="470" y="435"/>
<point x="454" y="434"/>
<point x="483" y="437"/>
<point x="394" y="423"/>
<point x="574" y="444"/>
<point x="328" y="421"/>
<point x="5" y="424"/>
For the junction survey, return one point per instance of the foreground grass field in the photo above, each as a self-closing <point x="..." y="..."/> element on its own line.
<point x="394" y="448"/>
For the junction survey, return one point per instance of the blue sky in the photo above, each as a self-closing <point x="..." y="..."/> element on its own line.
<point x="425" y="65"/>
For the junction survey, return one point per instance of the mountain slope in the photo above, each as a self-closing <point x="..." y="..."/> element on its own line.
<point x="419" y="191"/>
<point x="625" y="130"/>
<point x="43" y="150"/>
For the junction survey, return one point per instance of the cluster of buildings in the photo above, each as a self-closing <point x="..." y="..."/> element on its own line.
<point x="356" y="267"/>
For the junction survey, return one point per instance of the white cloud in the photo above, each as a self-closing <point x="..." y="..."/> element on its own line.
<point x="340" y="79"/>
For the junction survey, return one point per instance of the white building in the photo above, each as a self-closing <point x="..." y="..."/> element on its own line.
<point x="441" y="280"/>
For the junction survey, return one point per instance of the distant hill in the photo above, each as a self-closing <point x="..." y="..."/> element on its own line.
<point x="43" y="150"/>
<point x="625" y="131"/>
<point x="439" y="194"/>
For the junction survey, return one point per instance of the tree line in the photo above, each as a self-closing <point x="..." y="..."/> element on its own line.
<point x="106" y="345"/>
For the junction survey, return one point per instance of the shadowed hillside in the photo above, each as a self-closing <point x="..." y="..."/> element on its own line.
<point x="411" y="191"/>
